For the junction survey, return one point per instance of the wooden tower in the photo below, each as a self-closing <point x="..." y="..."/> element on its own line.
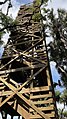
<point x="26" y="86"/>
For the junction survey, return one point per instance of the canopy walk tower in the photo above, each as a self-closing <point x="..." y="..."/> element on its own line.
<point x="26" y="87"/>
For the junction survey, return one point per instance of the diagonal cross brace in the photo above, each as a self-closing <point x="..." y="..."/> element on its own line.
<point x="18" y="89"/>
<point x="30" y="104"/>
<point x="15" y="91"/>
<point x="20" y="54"/>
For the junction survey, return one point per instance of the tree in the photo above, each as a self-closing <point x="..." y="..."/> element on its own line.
<point x="6" y="22"/>
<point x="6" y="25"/>
<point x="62" y="99"/>
<point x="65" y="114"/>
<point x="58" y="31"/>
<point x="58" y="47"/>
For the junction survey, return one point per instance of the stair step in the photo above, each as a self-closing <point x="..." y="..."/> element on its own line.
<point x="36" y="116"/>
<point x="51" y="107"/>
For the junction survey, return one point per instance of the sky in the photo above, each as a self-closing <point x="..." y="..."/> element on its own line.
<point x="13" y="12"/>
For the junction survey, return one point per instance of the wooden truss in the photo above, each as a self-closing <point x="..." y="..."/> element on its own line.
<point x="25" y="56"/>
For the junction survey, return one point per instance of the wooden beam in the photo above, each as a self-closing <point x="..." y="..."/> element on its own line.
<point x="24" y="99"/>
<point x="41" y="96"/>
<point x="18" y="89"/>
<point x="21" y="69"/>
<point x="25" y="91"/>
<point x="9" y="62"/>
<point x="33" y="45"/>
<point x="33" y="106"/>
<point x="21" y="110"/>
<point x="7" y="99"/>
<point x="26" y="41"/>
<point x="29" y="79"/>
<point x="49" y="101"/>
<point x="35" y="89"/>
<point x="36" y="116"/>
<point x="48" y="108"/>
<point x="30" y="57"/>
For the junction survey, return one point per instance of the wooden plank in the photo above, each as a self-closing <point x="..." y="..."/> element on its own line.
<point x="36" y="116"/>
<point x="26" y="41"/>
<point x="48" y="78"/>
<point x="33" y="45"/>
<point x="14" y="82"/>
<point x="2" y="87"/>
<point x="5" y="93"/>
<point x="33" y="106"/>
<point x="8" y="98"/>
<point x="20" y="110"/>
<point x="41" y="96"/>
<point x="39" y="89"/>
<point x="49" y="101"/>
<point x="24" y="99"/>
<point x="10" y="56"/>
<point x="29" y="79"/>
<point x="9" y="62"/>
<point x="30" y="57"/>
<point x="47" y="108"/>
<point x="35" y="89"/>
<point x="26" y="81"/>
<point x="0" y="100"/>
<point x="1" y="84"/>
<point x="24" y="91"/>
<point x="5" y="75"/>
<point x="20" y="69"/>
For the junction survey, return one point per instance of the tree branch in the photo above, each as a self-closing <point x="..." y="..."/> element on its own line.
<point x="63" y="71"/>
<point x="3" y="2"/>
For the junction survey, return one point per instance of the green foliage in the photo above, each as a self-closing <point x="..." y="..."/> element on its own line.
<point x="6" y="25"/>
<point x="36" y="6"/>
<point x="41" y="2"/>
<point x="58" y="47"/>
<point x="38" y="2"/>
<point x="65" y="113"/>
<point x="57" y="95"/>
<point x="5" y="19"/>
<point x="64" y="97"/>
<point x="36" y="17"/>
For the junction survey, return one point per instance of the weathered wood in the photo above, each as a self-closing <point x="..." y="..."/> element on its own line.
<point x="22" y="42"/>
<point x="8" y="98"/>
<point x="8" y="85"/>
<point x="43" y="102"/>
<point x="20" y="69"/>
<point x="21" y="111"/>
<point x="36" y="116"/>
<point x="24" y="91"/>
<point x="35" y="89"/>
<point x="9" y="62"/>
<point x="2" y="87"/>
<point x="35" y="59"/>
<point x="33" y="45"/>
<point x="44" y="108"/>
<point x="24" y="99"/>
<point x="41" y="96"/>
<point x="33" y="98"/>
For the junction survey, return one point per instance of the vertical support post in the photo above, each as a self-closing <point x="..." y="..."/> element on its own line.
<point x="11" y="117"/>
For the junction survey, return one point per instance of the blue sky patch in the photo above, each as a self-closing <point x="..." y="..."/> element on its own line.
<point x="24" y="1"/>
